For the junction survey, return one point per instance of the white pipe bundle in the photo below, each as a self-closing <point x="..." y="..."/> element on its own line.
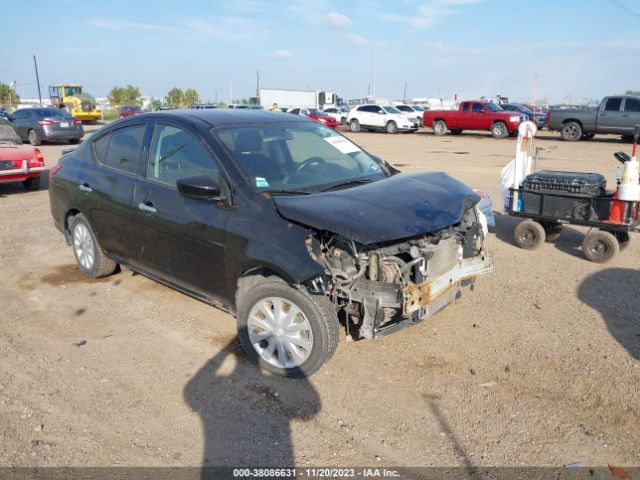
<point x="517" y="169"/>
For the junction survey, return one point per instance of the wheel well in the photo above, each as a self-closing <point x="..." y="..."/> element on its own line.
<point x="439" y="120"/>
<point x="254" y="275"/>
<point x="574" y="120"/>
<point x="499" y="121"/>
<point x="71" y="213"/>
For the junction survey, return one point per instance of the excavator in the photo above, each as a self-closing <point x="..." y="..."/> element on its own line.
<point x="69" y="96"/>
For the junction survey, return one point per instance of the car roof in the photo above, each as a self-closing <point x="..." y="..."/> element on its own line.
<point x="218" y="117"/>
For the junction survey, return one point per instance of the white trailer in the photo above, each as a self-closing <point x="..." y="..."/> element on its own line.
<point x="296" y="98"/>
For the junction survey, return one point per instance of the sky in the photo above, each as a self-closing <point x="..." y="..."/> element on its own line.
<point x="558" y="50"/>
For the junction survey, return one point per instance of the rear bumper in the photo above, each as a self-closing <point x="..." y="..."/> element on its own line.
<point x="50" y="134"/>
<point x="24" y="172"/>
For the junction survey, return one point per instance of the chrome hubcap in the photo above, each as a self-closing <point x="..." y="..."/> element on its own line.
<point x="280" y="332"/>
<point x="83" y="246"/>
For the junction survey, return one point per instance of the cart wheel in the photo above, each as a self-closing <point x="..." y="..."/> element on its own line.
<point x="552" y="231"/>
<point x="623" y="239"/>
<point x="600" y="246"/>
<point x="529" y="235"/>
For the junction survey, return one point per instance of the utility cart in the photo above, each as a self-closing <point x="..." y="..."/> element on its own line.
<point x="548" y="200"/>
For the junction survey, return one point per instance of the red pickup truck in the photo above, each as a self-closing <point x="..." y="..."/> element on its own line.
<point x="474" y="115"/>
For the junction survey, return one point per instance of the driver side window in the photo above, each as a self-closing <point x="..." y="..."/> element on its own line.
<point x="176" y="154"/>
<point x="478" y="108"/>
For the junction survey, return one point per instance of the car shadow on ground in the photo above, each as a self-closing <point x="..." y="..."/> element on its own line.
<point x="13" y="188"/>
<point x="246" y="414"/>
<point x="614" y="294"/>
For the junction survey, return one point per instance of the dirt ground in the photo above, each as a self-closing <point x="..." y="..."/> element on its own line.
<point x="539" y="365"/>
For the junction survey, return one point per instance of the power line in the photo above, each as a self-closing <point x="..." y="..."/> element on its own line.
<point x="624" y="8"/>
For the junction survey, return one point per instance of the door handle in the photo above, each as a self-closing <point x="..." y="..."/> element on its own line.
<point x="146" y="208"/>
<point x="85" y="188"/>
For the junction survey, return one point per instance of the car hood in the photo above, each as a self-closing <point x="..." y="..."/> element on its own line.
<point x="402" y="206"/>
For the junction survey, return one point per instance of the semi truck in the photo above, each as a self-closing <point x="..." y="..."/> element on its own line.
<point x="297" y="98"/>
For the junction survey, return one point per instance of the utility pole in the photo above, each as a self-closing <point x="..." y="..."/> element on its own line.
<point x="37" y="79"/>
<point x="373" y="74"/>
<point x="258" y="84"/>
<point x="405" y="92"/>
<point x="533" y="93"/>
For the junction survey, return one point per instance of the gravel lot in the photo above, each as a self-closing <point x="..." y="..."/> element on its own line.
<point x="539" y="365"/>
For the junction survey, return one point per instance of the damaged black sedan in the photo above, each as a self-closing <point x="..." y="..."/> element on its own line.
<point x="275" y="218"/>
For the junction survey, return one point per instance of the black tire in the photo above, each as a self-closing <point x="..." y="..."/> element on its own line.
<point x="74" y="141"/>
<point x="100" y="265"/>
<point x="456" y="131"/>
<point x="626" y="138"/>
<point x="354" y="125"/>
<point x="439" y="128"/>
<point x="571" y="132"/>
<point x="317" y="309"/>
<point x="499" y="130"/>
<point x="343" y="120"/>
<point x="552" y="231"/>
<point x="529" y="235"/>
<point x="33" y="137"/>
<point x="391" y="127"/>
<point x="588" y="136"/>
<point x="623" y="239"/>
<point x="600" y="246"/>
<point x="32" y="184"/>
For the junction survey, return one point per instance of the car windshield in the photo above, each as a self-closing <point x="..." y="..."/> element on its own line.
<point x="523" y="109"/>
<point x="418" y="108"/>
<point x="297" y="157"/>
<point x="314" y="111"/>
<point x="50" y="112"/>
<point x="493" y="107"/>
<point x="390" y="109"/>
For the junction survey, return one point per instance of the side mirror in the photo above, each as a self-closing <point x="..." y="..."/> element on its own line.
<point x="199" y="188"/>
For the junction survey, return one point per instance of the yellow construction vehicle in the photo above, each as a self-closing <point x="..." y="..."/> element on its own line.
<point x="70" y="97"/>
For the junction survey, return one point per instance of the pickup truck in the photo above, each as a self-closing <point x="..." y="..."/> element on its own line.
<point x="474" y="115"/>
<point x="617" y="115"/>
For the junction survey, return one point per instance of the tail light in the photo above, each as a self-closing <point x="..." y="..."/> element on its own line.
<point x="55" y="169"/>
<point x="77" y="122"/>
<point x="39" y="156"/>
<point x="46" y="122"/>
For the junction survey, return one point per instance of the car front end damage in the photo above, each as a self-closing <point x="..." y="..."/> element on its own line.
<point x="381" y="288"/>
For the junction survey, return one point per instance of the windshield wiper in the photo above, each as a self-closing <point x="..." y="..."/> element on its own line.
<point x="288" y="192"/>
<point x="347" y="184"/>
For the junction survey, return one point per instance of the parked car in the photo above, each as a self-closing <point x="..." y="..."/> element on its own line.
<point x="240" y="106"/>
<point x="615" y="115"/>
<point x="4" y="114"/>
<point x="373" y="117"/>
<point x="281" y="221"/>
<point x="539" y="118"/>
<point x="339" y="113"/>
<point x="413" y="112"/>
<point x="129" y="110"/>
<point x="315" y="115"/>
<point x="18" y="162"/>
<point x="474" y="115"/>
<point x="201" y="106"/>
<point x="36" y="125"/>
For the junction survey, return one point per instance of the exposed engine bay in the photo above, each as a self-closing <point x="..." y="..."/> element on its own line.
<point x="380" y="288"/>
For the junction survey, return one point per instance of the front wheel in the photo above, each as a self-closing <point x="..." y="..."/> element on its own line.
<point x="286" y="330"/>
<point x="355" y="125"/>
<point x="392" y="127"/>
<point x="600" y="246"/>
<point x="499" y="130"/>
<point x="343" y="120"/>
<point x="90" y="257"/>
<point x="529" y="235"/>
<point x="571" y="132"/>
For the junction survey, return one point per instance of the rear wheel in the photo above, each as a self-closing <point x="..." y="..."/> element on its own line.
<point x="552" y="231"/>
<point x="529" y="235"/>
<point x="439" y="127"/>
<point x="623" y="239"/>
<point x="34" y="139"/>
<point x="284" y="329"/>
<point x="392" y="127"/>
<point x="571" y="132"/>
<point x="90" y="257"/>
<point x="32" y="184"/>
<point x="499" y="130"/>
<point x="343" y="120"/>
<point x="600" y="246"/>
<point x="355" y="125"/>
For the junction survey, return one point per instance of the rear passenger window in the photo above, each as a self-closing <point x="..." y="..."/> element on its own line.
<point x="632" y="105"/>
<point x="465" y="107"/>
<point x="613" y="105"/>
<point x="120" y="148"/>
<point x="176" y="154"/>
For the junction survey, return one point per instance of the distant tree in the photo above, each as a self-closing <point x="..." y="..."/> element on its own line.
<point x="190" y="97"/>
<point x="633" y="92"/>
<point x="128" y="95"/>
<point x="8" y="96"/>
<point x="175" y="98"/>
<point x="155" y="104"/>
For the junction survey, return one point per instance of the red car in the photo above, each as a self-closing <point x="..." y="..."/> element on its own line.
<point x="18" y="162"/>
<point x="316" y="115"/>
<point x="128" y="110"/>
<point x="474" y="115"/>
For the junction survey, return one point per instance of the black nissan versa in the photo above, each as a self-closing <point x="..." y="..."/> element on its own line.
<point x="278" y="219"/>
